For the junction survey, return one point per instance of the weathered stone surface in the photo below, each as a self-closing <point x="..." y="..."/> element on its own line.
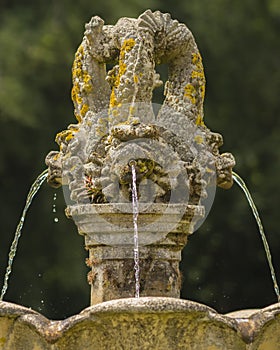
<point x="144" y="324"/>
<point x="114" y="111"/>
<point x="112" y="224"/>
<point x="176" y="157"/>
<point x="260" y="328"/>
<point x="108" y="229"/>
<point x="163" y="230"/>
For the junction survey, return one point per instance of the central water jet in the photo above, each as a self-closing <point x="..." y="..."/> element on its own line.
<point x="132" y="163"/>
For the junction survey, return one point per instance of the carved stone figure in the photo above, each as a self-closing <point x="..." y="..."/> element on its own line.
<point x="115" y="107"/>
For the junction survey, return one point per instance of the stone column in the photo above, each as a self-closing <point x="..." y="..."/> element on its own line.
<point x="109" y="239"/>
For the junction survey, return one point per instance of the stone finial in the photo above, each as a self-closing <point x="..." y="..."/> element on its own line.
<point x="113" y="107"/>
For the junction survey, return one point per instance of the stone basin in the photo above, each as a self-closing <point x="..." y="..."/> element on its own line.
<point x="144" y="323"/>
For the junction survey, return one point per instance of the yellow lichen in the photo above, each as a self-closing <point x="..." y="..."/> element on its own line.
<point x="87" y="82"/>
<point x="64" y="136"/>
<point x="197" y="60"/>
<point x="86" y="78"/>
<point x="199" y="120"/>
<point x="75" y="94"/>
<point x="76" y="72"/>
<point x="121" y="72"/>
<point x="78" y="117"/>
<point x="84" y="109"/>
<point x="69" y="137"/>
<point x="197" y="75"/>
<point x="127" y="46"/>
<point x="198" y="139"/>
<point x="87" y="88"/>
<point x="195" y="90"/>
<point x="56" y="156"/>
<point x="198" y="72"/>
<point x="190" y="93"/>
<point x="113" y="100"/>
<point x="77" y="65"/>
<point x="82" y="84"/>
<point x="202" y="91"/>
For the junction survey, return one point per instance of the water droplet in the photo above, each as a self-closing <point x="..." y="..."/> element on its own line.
<point x="39" y="275"/>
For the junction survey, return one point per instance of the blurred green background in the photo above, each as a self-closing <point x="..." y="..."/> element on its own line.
<point x="224" y="263"/>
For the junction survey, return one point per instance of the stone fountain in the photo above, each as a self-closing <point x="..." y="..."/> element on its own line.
<point x="178" y="166"/>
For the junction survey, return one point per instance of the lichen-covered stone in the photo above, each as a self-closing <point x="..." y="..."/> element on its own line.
<point x="115" y="107"/>
<point x="175" y="156"/>
<point x="145" y="323"/>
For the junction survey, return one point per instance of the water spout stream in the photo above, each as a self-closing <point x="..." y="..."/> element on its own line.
<point x="33" y="190"/>
<point x="135" y="226"/>
<point x="243" y="186"/>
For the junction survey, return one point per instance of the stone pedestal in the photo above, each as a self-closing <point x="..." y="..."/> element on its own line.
<point x="108" y="229"/>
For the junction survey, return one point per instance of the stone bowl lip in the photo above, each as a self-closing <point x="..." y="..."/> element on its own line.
<point x="175" y="305"/>
<point x="148" y="305"/>
<point x="143" y="305"/>
<point x="248" y="327"/>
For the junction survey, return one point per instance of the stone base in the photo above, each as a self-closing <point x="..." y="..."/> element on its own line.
<point x="144" y="324"/>
<point x="163" y="230"/>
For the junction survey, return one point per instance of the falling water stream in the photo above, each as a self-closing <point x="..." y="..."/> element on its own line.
<point x="135" y="227"/>
<point x="243" y="186"/>
<point x="33" y="190"/>
<point x="42" y="177"/>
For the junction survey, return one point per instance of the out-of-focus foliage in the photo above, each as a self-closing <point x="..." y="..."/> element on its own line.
<point x="224" y="264"/>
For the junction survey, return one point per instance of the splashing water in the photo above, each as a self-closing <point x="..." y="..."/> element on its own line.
<point x="33" y="190"/>
<point x="54" y="208"/>
<point x="243" y="186"/>
<point x="135" y="226"/>
<point x="54" y="205"/>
